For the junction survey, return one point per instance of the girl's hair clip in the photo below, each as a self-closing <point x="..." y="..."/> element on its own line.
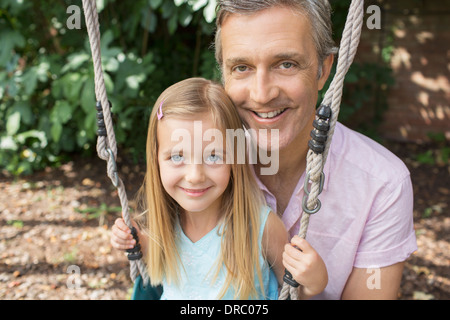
<point x="159" y="112"/>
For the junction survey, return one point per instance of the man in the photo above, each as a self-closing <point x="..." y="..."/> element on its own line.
<point x="275" y="56"/>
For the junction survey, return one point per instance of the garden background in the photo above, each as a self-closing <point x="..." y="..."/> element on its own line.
<point x="56" y="204"/>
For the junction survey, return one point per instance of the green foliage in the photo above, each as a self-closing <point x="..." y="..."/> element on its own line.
<point x="47" y="100"/>
<point x="98" y="212"/>
<point x="438" y="152"/>
<point x="366" y="84"/>
<point x="364" y="97"/>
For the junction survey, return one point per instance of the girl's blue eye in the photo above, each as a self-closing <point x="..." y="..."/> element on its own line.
<point x="177" y="158"/>
<point x="213" y="158"/>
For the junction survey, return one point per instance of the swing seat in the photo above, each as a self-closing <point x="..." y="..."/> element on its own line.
<point x="140" y="292"/>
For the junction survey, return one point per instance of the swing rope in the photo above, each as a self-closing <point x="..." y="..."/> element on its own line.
<point x="327" y="115"/>
<point x="106" y="142"/>
<point x="326" y="118"/>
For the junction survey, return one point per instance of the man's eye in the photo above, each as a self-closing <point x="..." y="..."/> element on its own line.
<point x="240" y="68"/>
<point x="287" y="65"/>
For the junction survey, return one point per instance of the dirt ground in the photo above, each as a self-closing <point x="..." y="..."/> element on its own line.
<point x="55" y="227"/>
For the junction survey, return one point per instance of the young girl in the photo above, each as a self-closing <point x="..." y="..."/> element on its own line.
<point x="208" y="233"/>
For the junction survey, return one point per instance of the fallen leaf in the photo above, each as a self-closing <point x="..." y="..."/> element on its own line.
<point x="421" y="270"/>
<point x="419" y="295"/>
<point x="13" y="284"/>
<point x="87" y="182"/>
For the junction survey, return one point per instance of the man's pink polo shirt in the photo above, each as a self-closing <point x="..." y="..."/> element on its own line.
<point x="366" y="219"/>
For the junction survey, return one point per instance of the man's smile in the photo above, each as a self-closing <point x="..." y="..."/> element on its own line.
<point x="269" y="115"/>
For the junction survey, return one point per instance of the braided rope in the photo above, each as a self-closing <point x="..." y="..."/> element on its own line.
<point x="107" y="146"/>
<point x="333" y="96"/>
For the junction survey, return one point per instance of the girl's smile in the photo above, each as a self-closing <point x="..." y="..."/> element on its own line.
<point x="195" y="192"/>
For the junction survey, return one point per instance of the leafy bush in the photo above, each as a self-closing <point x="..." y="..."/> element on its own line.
<point x="47" y="101"/>
<point x="366" y="84"/>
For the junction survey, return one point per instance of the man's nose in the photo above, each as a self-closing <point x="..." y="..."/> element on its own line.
<point x="263" y="88"/>
<point x="195" y="173"/>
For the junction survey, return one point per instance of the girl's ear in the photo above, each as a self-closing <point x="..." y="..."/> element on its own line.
<point x="326" y="69"/>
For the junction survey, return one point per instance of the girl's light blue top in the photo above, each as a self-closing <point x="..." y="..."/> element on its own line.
<point x="199" y="267"/>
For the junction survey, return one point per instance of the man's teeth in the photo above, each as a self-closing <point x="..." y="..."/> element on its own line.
<point x="270" y="115"/>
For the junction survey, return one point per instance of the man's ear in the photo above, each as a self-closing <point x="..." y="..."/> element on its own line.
<point x="326" y="69"/>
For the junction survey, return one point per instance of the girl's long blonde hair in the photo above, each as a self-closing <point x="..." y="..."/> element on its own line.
<point x="242" y="200"/>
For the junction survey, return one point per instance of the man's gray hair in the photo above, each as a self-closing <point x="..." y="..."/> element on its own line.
<point x="317" y="11"/>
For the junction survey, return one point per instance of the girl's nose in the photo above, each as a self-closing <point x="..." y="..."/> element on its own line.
<point x="195" y="174"/>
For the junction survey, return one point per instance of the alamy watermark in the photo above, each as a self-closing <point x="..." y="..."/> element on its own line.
<point x="74" y="20"/>
<point x="240" y="145"/>
<point x="74" y="279"/>
<point x="372" y="22"/>
<point x="374" y="280"/>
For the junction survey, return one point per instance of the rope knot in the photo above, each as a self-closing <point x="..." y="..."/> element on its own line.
<point x="321" y="126"/>
<point x="134" y="253"/>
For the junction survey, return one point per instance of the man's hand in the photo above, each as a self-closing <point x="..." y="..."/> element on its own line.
<point x="306" y="267"/>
